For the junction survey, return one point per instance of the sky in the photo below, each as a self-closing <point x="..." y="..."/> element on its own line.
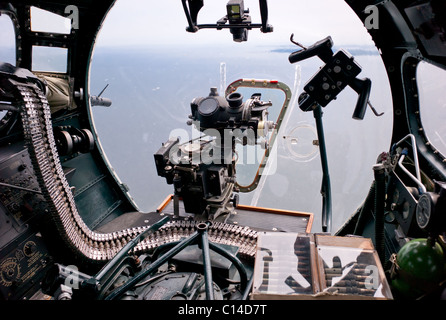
<point x="142" y="22"/>
<point x="161" y="22"/>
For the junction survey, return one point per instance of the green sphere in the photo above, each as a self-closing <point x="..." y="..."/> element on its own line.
<point x="421" y="268"/>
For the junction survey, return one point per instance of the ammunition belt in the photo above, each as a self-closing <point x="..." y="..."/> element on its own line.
<point x="37" y="125"/>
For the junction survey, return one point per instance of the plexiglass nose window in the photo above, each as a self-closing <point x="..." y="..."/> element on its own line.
<point x="7" y="55"/>
<point x="7" y="43"/>
<point x="153" y="69"/>
<point x="431" y="86"/>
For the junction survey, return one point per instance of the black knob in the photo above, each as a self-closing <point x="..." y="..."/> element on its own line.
<point x="235" y="100"/>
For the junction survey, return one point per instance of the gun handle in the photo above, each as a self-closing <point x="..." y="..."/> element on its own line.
<point x="306" y="102"/>
<point x="362" y="87"/>
<point x="322" y="49"/>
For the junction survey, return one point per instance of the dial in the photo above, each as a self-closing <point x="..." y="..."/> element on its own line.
<point x="30" y="248"/>
<point x="9" y="272"/>
<point x="424" y="210"/>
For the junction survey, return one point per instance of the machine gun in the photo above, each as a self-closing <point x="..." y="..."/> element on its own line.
<point x="202" y="171"/>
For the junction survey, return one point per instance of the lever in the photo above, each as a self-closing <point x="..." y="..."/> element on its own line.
<point x="362" y="87"/>
<point x="374" y="110"/>
<point x="322" y="49"/>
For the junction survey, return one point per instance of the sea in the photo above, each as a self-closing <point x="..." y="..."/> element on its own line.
<point x="151" y="91"/>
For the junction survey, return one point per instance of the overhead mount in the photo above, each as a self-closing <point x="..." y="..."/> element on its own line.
<point x="236" y="20"/>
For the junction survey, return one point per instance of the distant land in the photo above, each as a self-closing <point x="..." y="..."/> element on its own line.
<point x="354" y="51"/>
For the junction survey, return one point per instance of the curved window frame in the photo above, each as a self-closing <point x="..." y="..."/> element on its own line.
<point x="423" y="113"/>
<point x="9" y="117"/>
<point x="15" y="24"/>
<point x="427" y="152"/>
<point x="89" y="106"/>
